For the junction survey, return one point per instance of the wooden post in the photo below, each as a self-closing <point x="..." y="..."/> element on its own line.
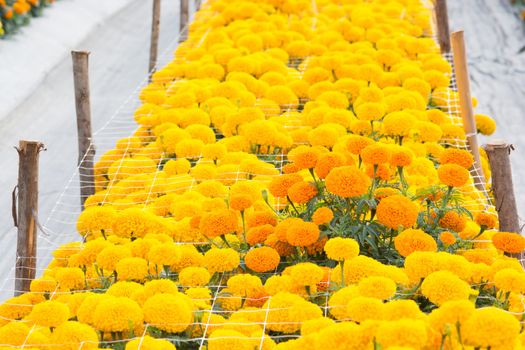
<point x="154" y="45"/>
<point x="440" y="8"/>
<point x="197" y="5"/>
<point x="498" y="152"/>
<point x="86" y="150"/>
<point x="184" y="18"/>
<point x="465" y="101"/>
<point x="25" y="268"/>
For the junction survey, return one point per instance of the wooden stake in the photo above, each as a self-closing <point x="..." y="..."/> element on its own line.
<point x="441" y="11"/>
<point x="184" y="18"/>
<point x="498" y="152"/>
<point x="465" y="101"/>
<point x="25" y="268"/>
<point x="86" y="150"/>
<point x="154" y="46"/>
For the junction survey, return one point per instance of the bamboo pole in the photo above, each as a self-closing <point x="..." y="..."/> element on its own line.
<point x="498" y="152"/>
<point x="154" y="45"/>
<point x="184" y="18"/>
<point x="441" y="11"/>
<point x="465" y="101"/>
<point x="86" y="150"/>
<point x="25" y="267"/>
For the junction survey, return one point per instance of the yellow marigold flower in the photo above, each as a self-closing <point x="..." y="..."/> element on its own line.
<point x="376" y="153"/>
<point x="132" y="223"/>
<point x="301" y="234"/>
<point x="453" y="221"/>
<point x="408" y="333"/>
<point x="258" y="234"/>
<point x="510" y="280"/>
<point x="412" y="240"/>
<point x="398" y="124"/>
<point x="94" y="220"/>
<point x="159" y="286"/>
<point x="42" y="285"/>
<point x="74" y="335"/>
<point x="108" y="258"/>
<point x="442" y="286"/>
<point x="322" y="215"/>
<point x="485" y="124"/>
<point x="347" y="181"/>
<point x="490" y="327"/>
<point x="370" y="111"/>
<point x="194" y="276"/>
<point x="275" y="284"/>
<point x="18" y="334"/>
<point x="149" y="343"/>
<point x="402" y="309"/>
<point x="189" y="149"/>
<point x="420" y="264"/>
<point x="340" y="248"/>
<point x="176" y="167"/>
<point x="301" y="192"/>
<point x="262" y="259"/>
<point x="283" y="95"/>
<point x="123" y="289"/>
<point x="378" y="287"/>
<point x="343" y="333"/>
<point x="135" y="269"/>
<point x="449" y="314"/>
<point x="117" y="314"/>
<point x="69" y="278"/>
<point x="489" y="220"/>
<point x="334" y="99"/>
<point x="244" y="285"/>
<point x="457" y="156"/>
<point x="397" y="211"/>
<point x="453" y="175"/>
<point x="286" y="312"/>
<point x="221" y="339"/>
<point x="279" y="185"/>
<point x="221" y="260"/>
<point x="49" y="313"/>
<point x="15" y="308"/>
<point x="315" y="325"/>
<point x="168" y="312"/>
<point x="306" y="274"/>
<point x="509" y="242"/>
<point x="219" y="222"/>
<point x="364" y="308"/>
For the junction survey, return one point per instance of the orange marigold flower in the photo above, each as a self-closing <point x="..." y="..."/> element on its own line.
<point x="262" y="259"/>
<point x="218" y="222"/>
<point x="283" y="248"/>
<point x="401" y="156"/>
<point x="509" y="242"/>
<point x="376" y="153"/>
<point x="383" y="171"/>
<point x="488" y="220"/>
<point x="302" y="192"/>
<point x="384" y="192"/>
<point x="397" y="211"/>
<point x="240" y="201"/>
<point x="279" y="185"/>
<point x="347" y="181"/>
<point x="457" y="156"/>
<point x="453" y="221"/>
<point x="447" y="238"/>
<point x="260" y="217"/>
<point x="304" y="157"/>
<point x="301" y="233"/>
<point x="453" y="175"/>
<point x="322" y="215"/>
<point x="327" y="162"/>
<point x="411" y="240"/>
<point x="355" y="144"/>
<point x="258" y="234"/>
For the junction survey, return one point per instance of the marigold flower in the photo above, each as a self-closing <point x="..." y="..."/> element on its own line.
<point x="327" y="162"/>
<point x="240" y="202"/>
<point x="447" y="238"/>
<point x="301" y="192"/>
<point x="259" y="234"/>
<point x="355" y="144"/>
<point x="322" y="215"/>
<point x="375" y="154"/>
<point x="339" y="248"/>
<point x="262" y="259"/>
<point x="453" y="221"/>
<point x="147" y="342"/>
<point x="135" y="269"/>
<point x="412" y="240"/>
<point x="347" y="181"/>
<point x="301" y="234"/>
<point x="132" y="223"/>
<point x="168" y="312"/>
<point x="73" y="335"/>
<point x="49" y="313"/>
<point x="116" y="314"/>
<point x="315" y="325"/>
<point x="343" y="333"/>
<point x="401" y="156"/>
<point x="218" y="223"/>
<point x="18" y="334"/>
<point x="509" y="242"/>
<point x="364" y="308"/>
<point x="397" y="211"/>
<point x="488" y="220"/>
<point x="490" y="327"/>
<point x="304" y="157"/>
<point x="453" y="175"/>
<point x="485" y="124"/>
<point x="194" y="276"/>
<point x="510" y="280"/>
<point x="229" y="339"/>
<point x="159" y="286"/>
<point x="94" y="220"/>
<point x="70" y="278"/>
<point x="449" y="314"/>
<point x="403" y="333"/>
<point x="221" y="260"/>
<point x="108" y="258"/>
<point x="378" y="287"/>
<point x="457" y="156"/>
<point x="442" y="286"/>
<point x="306" y="274"/>
<point x="287" y="311"/>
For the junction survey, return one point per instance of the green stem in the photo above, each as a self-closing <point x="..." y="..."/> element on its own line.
<point x="342" y="264"/>
<point x="225" y="241"/>
<point x="404" y="183"/>
<point x="293" y="206"/>
<point x="374" y="182"/>
<point x="243" y="226"/>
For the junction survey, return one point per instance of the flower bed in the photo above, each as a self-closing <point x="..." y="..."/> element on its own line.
<point x="298" y="180"/>
<point x="17" y="13"/>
